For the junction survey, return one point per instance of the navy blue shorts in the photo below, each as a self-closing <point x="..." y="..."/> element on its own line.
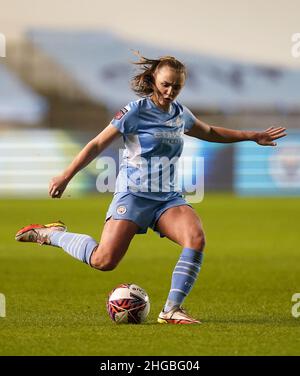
<point x="142" y="211"/>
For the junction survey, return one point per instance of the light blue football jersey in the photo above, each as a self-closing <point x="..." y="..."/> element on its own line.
<point x="153" y="141"/>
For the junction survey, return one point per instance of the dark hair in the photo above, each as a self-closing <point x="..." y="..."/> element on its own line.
<point x="142" y="83"/>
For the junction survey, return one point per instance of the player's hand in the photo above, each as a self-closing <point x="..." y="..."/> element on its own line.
<point x="267" y="137"/>
<point x="57" y="186"/>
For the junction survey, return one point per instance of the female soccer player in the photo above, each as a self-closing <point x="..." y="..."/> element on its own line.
<point x="152" y="126"/>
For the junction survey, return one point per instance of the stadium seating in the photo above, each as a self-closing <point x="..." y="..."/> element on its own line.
<point x="100" y="62"/>
<point x="18" y="103"/>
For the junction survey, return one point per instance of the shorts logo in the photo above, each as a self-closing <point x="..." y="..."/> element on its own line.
<point x="121" y="210"/>
<point x="121" y="113"/>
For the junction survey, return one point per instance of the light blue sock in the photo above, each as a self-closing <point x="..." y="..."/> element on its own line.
<point x="77" y="245"/>
<point x="184" y="277"/>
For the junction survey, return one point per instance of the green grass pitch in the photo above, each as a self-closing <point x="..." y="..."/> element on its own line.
<point x="55" y="305"/>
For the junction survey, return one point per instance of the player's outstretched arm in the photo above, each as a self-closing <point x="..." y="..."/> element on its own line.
<point x="59" y="183"/>
<point x="210" y="133"/>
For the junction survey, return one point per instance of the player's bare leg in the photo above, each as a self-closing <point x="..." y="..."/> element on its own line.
<point x="181" y="225"/>
<point x="115" y="239"/>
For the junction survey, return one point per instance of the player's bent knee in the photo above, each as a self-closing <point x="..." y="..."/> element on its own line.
<point x="107" y="267"/>
<point x="103" y="262"/>
<point x="196" y="240"/>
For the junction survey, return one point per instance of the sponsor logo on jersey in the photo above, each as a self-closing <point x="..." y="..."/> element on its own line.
<point x="121" y="210"/>
<point x="170" y="134"/>
<point x="121" y="113"/>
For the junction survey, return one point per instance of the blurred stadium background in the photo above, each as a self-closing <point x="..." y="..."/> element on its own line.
<point x="61" y="82"/>
<point x="60" y="87"/>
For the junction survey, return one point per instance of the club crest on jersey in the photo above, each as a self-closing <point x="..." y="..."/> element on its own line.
<point x="121" y="113"/>
<point x="121" y="210"/>
<point x="174" y="122"/>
